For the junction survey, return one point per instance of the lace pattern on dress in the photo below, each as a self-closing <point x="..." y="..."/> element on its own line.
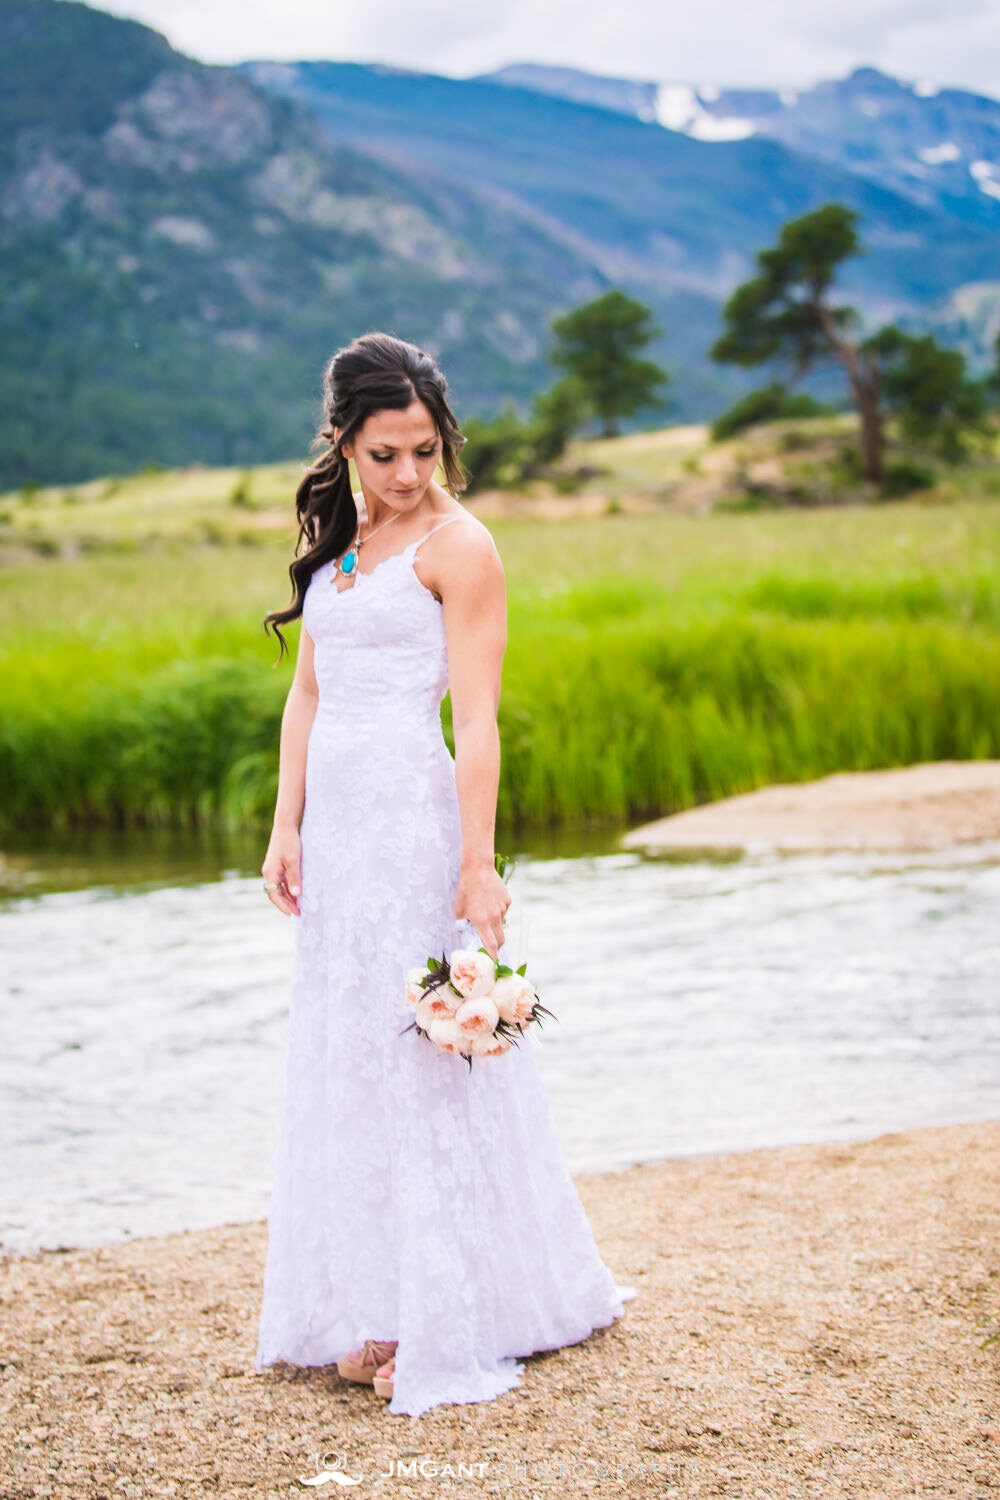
<point x="412" y="1199"/>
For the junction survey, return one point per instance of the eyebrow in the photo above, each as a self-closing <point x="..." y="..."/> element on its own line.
<point x="425" y="444"/>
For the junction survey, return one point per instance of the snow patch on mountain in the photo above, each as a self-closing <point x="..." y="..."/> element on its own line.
<point x="987" y="177"/>
<point x="679" y="107"/>
<point x="935" y="155"/>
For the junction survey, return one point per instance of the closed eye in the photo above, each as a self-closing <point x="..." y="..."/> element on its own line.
<point x="386" y="458"/>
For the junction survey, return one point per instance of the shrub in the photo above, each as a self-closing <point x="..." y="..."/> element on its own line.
<point x="496" y="449"/>
<point x="766" y="405"/>
<point x="240" y="492"/>
<point x="903" y="476"/>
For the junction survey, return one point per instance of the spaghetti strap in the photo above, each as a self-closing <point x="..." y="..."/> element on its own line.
<point x="446" y="522"/>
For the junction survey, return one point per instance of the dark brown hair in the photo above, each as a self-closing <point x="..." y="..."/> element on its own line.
<point x="375" y="372"/>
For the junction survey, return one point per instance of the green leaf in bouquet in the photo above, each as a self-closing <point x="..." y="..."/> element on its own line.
<point x="523" y="968"/>
<point x="439" y="976"/>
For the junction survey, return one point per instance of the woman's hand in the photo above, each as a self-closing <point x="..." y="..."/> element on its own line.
<point x="483" y="899"/>
<point x="281" y="868"/>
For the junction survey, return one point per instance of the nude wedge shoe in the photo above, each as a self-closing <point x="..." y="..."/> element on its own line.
<point x="361" y="1364"/>
<point x="384" y="1376"/>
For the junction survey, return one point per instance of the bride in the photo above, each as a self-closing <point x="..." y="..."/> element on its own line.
<point x="423" y="1229"/>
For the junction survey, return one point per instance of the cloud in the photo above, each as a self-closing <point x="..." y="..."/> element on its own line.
<point x="380" y="30"/>
<point x="773" y="42"/>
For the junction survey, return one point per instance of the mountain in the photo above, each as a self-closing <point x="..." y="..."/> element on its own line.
<point x="181" y="256"/>
<point x="639" y="200"/>
<point x="938" y="147"/>
<point x="184" y="246"/>
<point x="673" y="217"/>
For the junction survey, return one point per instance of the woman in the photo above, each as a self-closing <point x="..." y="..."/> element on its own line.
<point x="423" y="1229"/>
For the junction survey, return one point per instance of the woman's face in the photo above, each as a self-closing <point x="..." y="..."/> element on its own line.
<point x="396" y="454"/>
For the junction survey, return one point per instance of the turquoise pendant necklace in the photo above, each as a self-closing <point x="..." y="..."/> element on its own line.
<point x="349" y="562"/>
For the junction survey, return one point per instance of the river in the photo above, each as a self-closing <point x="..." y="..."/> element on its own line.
<point x="704" y="1004"/>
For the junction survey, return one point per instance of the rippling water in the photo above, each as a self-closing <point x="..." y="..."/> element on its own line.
<point x="703" y="1005"/>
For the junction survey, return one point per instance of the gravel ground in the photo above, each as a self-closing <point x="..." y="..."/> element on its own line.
<point x="810" y="1321"/>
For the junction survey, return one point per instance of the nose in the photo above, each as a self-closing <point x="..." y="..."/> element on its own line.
<point x="406" y="474"/>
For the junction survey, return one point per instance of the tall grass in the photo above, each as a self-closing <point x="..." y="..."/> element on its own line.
<point x="653" y="663"/>
<point x="634" y="720"/>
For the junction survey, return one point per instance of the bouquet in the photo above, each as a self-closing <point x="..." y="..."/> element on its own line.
<point x="470" y="1004"/>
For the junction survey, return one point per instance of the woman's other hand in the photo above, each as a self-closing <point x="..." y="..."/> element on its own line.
<point x="282" y="867"/>
<point x="483" y="899"/>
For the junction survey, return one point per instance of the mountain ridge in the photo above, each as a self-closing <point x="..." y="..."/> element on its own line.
<point x="185" y="244"/>
<point x="831" y="120"/>
<point x="169" y="216"/>
<point x="657" y="209"/>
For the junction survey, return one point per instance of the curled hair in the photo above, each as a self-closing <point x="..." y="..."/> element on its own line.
<point x="375" y="372"/>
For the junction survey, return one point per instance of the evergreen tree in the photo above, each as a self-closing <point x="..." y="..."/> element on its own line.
<point x="785" y="312"/>
<point x="928" y="386"/>
<point x="599" y="345"/>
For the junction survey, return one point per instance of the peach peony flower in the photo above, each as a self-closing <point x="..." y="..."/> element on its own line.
<point x="472" y="972"/>
<point x="478" y="1016"/>
<point x="443" y="1001"/>
<point x="485" y="1045"/>
<point x="448" y="1035"/>
<point x="514" y="997"/>
<point x="423" y="1014"/>
<point x="415" y="979"/>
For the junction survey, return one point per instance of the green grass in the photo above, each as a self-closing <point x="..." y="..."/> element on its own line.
<point x="654" y="660"/>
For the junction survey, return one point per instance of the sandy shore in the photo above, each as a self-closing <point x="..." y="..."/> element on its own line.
<point x="925" y="806"/>
<point x="809" y="1322"/>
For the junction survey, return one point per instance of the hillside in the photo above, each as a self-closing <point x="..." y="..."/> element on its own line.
<point x="660" y="653"/>
<point x="938" y="148"/>
<point x="159" y="217"/>
<point x="801" y="465"/>
<point x="674" y="217"/>
<point x="184" y="246"/>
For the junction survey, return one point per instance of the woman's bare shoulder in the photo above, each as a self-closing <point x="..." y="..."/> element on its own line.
<point x="466" y="515"/>
<point x="448" y="507"/>
<point x="465" y="553"/>
<point x="476" y="537"/>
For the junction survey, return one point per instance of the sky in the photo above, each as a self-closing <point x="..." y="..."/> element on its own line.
<point x="780" y="43"/>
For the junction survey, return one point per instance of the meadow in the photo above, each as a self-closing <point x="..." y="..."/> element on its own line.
<point x="657" y="658"/>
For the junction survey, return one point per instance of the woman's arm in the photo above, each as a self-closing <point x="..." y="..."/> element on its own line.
<point x="469" y="577"/>
<point x="282" y="861"/>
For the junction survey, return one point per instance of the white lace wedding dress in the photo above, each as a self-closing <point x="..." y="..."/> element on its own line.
<point x="413" y="1198"/>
